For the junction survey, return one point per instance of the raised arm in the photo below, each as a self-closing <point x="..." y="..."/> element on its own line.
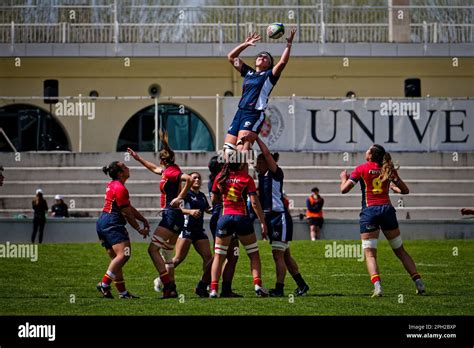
<point x="233" y="55"/>
<point x="285" y="57"/>
<point x="346" y="184"/>
<point x="147" y="164"/>
<point x="400" y="185"/>
<point x="184" y="191"/>
<point x="268" y="156"/>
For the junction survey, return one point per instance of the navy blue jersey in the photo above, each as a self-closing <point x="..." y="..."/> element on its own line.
<point x="270" y="190"/>
<point x="195" y="201"/>
<point x="256" y="88"/>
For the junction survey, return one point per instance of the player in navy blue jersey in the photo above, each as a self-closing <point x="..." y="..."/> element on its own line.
<point x="278" y="220"/>
<point x="215" y="168"/>
<point x="195" y="206"/>
<point x="257" y="86"/>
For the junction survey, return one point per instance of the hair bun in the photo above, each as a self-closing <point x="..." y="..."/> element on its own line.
<point x="106" y="169"/>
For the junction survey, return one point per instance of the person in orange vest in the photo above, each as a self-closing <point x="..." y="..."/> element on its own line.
<point x="314" y="213"/>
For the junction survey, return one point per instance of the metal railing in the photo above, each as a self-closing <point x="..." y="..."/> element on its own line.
<point x="112" y="21"/>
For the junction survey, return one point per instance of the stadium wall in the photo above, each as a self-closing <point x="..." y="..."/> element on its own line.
<point x="82" y="230"/>
<point x="191" y="76"/>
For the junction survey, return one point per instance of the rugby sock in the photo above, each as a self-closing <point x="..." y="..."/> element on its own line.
<point x="257" y="281"/>
<point x="299" y="280"/>
<point x="107" y="278"/>
<point x="279" y="287"/>
<point x="165" y="278"/>
<point x="120" y="285"/>
<point x="214" y="286"/>
<point x="415" y="276"/>
<point x="226" y="287"/>
<point x="375" y="279"/>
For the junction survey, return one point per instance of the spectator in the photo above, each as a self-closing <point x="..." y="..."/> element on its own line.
<point x="1" y="176"/>
<point x="314" y="213"/>
<point x="59" y="209"/>
<point x="467" y="211"/>
<point x="40" y="208"/>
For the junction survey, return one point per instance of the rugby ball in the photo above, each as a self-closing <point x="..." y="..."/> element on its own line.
<point x="275" y="30"/>
<point x="158" y="285"/>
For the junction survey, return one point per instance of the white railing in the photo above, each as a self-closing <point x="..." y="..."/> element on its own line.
<point x="14" y="33"/>
<point x="317" y="20"/>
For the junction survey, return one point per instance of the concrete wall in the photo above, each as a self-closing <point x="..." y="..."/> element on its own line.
<point x="198" y="76"/>
<point x="83" y="230"/>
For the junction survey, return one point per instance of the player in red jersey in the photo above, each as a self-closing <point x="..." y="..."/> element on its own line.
<point x="376" y="177"/>
<point x="111" y="230"/>
<point x="171" y="225"/>
<point x="232" y="184"/>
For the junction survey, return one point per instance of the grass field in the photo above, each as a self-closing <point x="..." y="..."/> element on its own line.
<point x="339" y="286"/>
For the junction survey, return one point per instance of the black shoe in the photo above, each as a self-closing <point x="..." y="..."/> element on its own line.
<point x="128" y="296"/>
<point x="276" y="293"/>
<point x="169" y="291"/>
<point x="104" y="290"/>
<point x="201" y="292"/>
<point x="300" y="291"/>
<point x="230" y="294"/>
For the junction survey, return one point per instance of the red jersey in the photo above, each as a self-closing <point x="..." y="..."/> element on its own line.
<point x="116" y="198"/>
<point x="170" y="185"/>
<point x="238" y="184"/>
<point x="374" y="192"/>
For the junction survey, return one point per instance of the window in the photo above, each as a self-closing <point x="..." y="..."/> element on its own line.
<point x="30" y="128"/>
<point x="186" y="129"/>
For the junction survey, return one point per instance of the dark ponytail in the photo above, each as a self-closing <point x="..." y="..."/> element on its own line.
<point x="166" y="153"/>
<point x="112" y="170"/>
<point x="384" y="160"/>
<point x="214" y="167"/>
<point x="226" y="169"/>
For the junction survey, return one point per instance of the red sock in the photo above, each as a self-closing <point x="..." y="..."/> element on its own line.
<point x="107" y="278"/>
<point x="375" y="278"/>
<point x="257" y="281"/>
<point x="415" y="276"/>
<point x="165" y="278"/>
<point x="120" y="285"/>
<point x="214" y="286"/>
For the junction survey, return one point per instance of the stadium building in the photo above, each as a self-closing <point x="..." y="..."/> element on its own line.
<point x="81" y="82"/>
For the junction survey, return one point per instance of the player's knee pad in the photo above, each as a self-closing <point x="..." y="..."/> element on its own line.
<point x="168" y="257"/>
<point x="369" y="243"/>
<point x="280" y="246"/>
<point x="160" y="243"/>
<point x="396" y="242"/>
<point x="251" y="248"/>
<point x="221" y="249"/>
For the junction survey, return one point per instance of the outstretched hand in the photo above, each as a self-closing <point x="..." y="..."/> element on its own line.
<point x="291" y="36"/>
<point x="132" y="153"/>
<point x="252" y="38"/>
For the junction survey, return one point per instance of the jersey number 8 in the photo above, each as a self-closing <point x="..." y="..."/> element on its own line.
<point x="377" y="184"/>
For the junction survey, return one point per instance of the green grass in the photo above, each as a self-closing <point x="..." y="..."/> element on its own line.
<point x="339" y="286"/>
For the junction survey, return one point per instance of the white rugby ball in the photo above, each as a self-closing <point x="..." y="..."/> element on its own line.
<point x="275" y="30"/>
<point x="158" y="285"/>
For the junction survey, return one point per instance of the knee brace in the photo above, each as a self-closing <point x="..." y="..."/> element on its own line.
<point x="280" y="246"/>
<point x="251" y="248"/>
<point x="369" y="243"/>
<point x="229" y="151"/>
<point x="396" y="242"/>
<point x="161" y="243"/>
<point x="168" y="257"/>
<point x="221" y="249"/>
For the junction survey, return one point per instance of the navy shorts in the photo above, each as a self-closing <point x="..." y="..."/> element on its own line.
<point x="193" y="235"/>
<point x="229" y="224"/>
<point x="110" y="230"/>
<point x="280" y="226"/>
<point x="315" y="222"/>
<point x="172" y="219"/>
<point x="250" y="120"/>
<point x="378" y="216"/>
<point x="216" y="214"/>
